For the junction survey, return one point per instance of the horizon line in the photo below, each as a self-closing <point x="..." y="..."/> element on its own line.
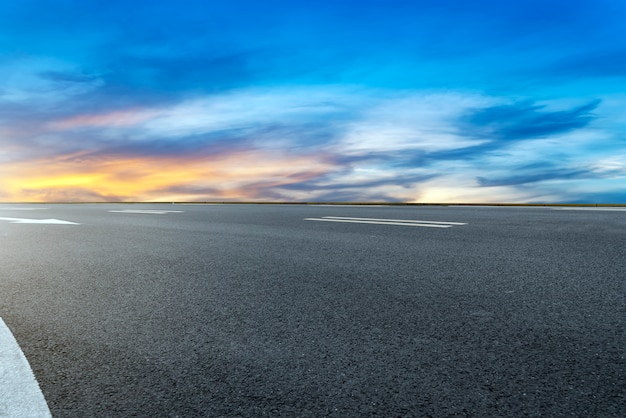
<point x="374" y="203"/>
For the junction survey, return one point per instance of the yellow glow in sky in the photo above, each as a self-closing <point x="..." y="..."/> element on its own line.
<point x="228" y="176"/>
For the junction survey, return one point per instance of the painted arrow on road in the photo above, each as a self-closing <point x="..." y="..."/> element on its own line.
<point x="38" y="221"/>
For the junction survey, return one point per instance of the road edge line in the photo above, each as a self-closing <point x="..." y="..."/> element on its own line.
<point x="20" y="394"/>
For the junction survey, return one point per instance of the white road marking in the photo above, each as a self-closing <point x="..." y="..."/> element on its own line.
<point x="4" y="208"/>
<point x="20" y="395"/>
<point x="350" y="206"/>
<point x="38" y="221"/>
<point x="396" y="222"/>
<point x="376" y="223"/>
<point x="594" y="209"/>
<point x="146" y="211"/>
<point x="497" y="207"/>
<point x="599" y="208"/>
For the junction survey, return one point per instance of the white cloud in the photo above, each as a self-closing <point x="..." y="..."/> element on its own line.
<point x="370" y="139"/>
<point x="612" y="167"/>
<point x="249" y="110"/>
<point x="424" y="122"/>
<point x="361" y="121"/>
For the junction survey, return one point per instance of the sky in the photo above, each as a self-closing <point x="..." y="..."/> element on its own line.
<point x="426" y="101"/>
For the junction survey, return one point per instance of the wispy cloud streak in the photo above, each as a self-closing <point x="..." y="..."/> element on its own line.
<point x="302" y="144"/>
<point x="313" y="101"/>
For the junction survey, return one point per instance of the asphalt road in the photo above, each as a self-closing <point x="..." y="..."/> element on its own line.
<point x="254" y="310"/>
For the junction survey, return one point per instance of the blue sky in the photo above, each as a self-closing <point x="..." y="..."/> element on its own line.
<point x="415" y="101"/>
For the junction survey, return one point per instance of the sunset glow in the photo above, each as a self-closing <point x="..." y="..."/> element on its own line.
<point x="420" y="101"/>
<point x="162" y="179"/>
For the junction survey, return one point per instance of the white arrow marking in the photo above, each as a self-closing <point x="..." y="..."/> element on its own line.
<point x="2" y="208"/>
<point x="38" y="221"/>
<point x="20" y="395"/>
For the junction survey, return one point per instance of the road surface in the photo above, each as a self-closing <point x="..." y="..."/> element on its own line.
<point x="281" y="310"/>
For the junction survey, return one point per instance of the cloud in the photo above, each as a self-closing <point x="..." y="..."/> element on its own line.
<point x="527" y="120"/>
<point x="530" y="176"/>
<point x="613" y="166"/>
<point x="615" y="197"/>
<point x="39" y="82"/>
<point x="66" y="194"/>
<point x="460" y="186"/>
<point x="228" y="175"/>
<point x="114" y="119"/>
<point x="422" y="122"/>
<point x="543" y="171"/>
<point x="254" y="109"/>
<point x="356" y="184"/>
<point x="309" y="143"/>
<point x="68" y="77"/>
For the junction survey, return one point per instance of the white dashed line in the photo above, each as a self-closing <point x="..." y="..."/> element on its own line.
<point x="349" y="206"/>
<point x="595" y="209"/>
<point x="146" y="212"/>
<point x="396" y="222"/>
<point x="20" y="395"/>
<point x="497" y="207"/>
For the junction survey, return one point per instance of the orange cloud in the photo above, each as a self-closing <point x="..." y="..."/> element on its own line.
<point x="235" y="175"/>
